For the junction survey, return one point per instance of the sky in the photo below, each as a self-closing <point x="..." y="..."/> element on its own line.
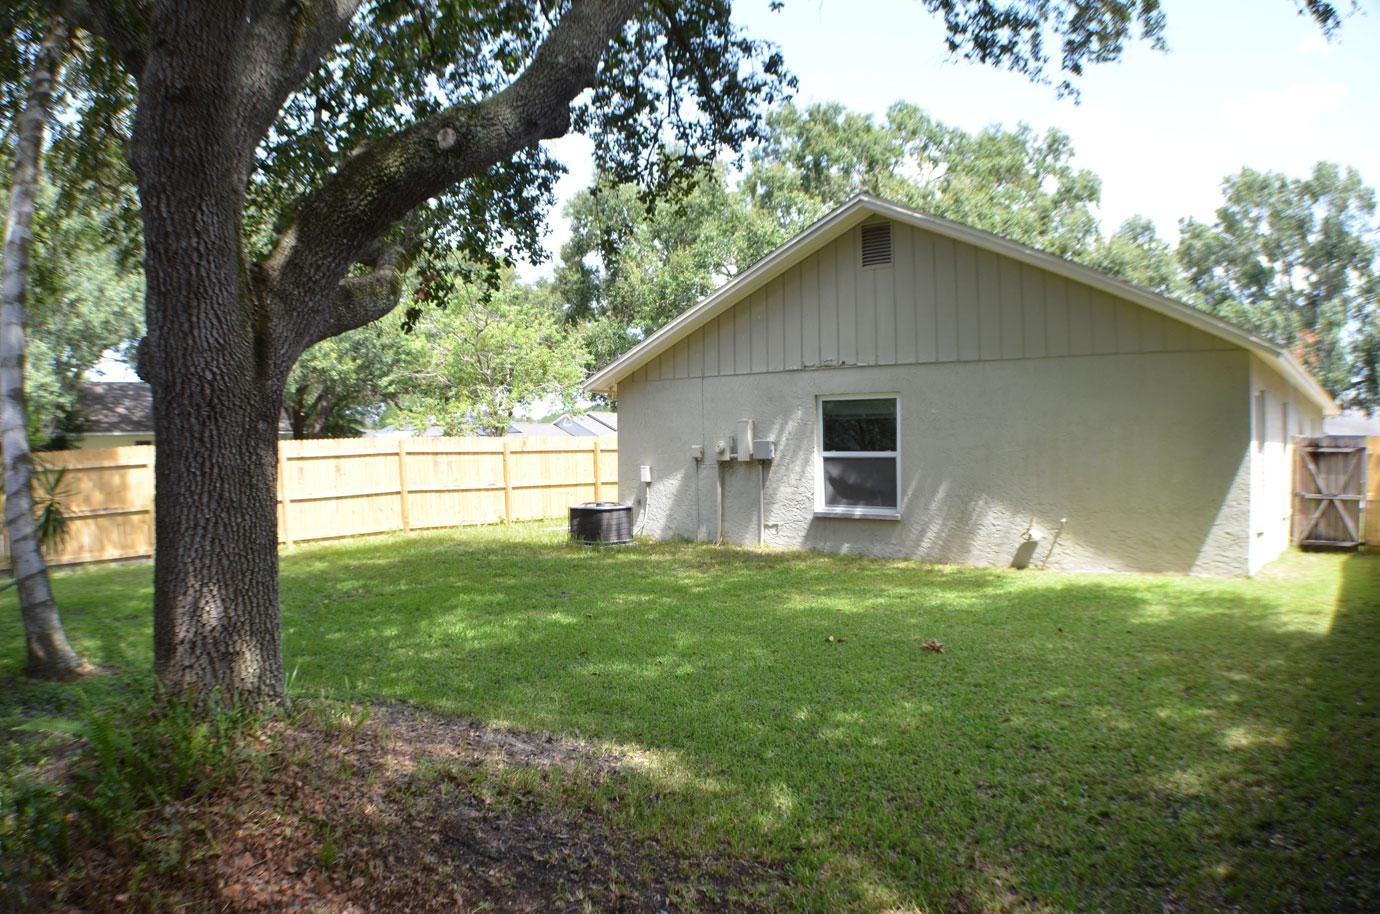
<point x="1244" y="83"/>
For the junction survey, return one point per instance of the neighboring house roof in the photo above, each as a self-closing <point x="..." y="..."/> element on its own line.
<point x="864" y="206"/>
<point x="586" y="425"/>
<point x="1351" y="424"/>
<point x="605" y="418"/>
<point x="116" y="408"/>
<point x="125" y="408"/>
<point x="536" y="429"/>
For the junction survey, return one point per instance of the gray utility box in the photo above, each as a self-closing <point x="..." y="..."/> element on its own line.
<point x="763" y="449"/>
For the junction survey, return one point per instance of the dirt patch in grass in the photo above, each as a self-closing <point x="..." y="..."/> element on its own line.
<point x="395" y="810"/>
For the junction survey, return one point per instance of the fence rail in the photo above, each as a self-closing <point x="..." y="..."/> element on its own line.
<point x="333" y="488"/>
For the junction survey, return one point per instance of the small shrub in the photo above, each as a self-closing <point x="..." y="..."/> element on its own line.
<point x="124" y="788"/>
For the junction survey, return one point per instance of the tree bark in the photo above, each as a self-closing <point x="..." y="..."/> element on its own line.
<point x="223" y="333"/>
<point x="216" y="391"/>
<point x="49" y="654"/>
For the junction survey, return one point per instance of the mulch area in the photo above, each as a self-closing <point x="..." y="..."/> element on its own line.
<point x="393" y="815"/>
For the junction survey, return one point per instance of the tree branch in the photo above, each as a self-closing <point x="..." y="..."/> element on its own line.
<point x="360" y="299"/>
<point x="286" y="43"/>
<point x="122" y="24"/>
<point x="382" y="182"/>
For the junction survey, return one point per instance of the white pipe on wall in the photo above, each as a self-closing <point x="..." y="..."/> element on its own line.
<point x="719" y="502"/>
<point x="761" y="504"/>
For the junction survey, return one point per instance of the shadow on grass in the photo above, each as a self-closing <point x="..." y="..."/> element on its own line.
<point x="1130" y="743"/>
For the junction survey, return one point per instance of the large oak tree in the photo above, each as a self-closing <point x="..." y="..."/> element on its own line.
<point x="331" y="122"/>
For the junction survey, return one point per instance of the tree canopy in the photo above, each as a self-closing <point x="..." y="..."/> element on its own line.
<point x="1295" y="260"/>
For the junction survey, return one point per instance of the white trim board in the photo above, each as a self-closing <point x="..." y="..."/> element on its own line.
<point x="864" y="206"/>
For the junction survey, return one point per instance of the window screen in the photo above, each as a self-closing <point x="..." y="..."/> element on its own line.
<point x="858" y="454"/>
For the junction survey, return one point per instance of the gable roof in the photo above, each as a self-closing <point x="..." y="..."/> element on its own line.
<point x="588" y="424"/>
<point x="864" y="206"/>
<point x="116" y="408"/>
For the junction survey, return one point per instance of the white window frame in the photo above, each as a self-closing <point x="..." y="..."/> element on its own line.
<point x="862" y="513"/>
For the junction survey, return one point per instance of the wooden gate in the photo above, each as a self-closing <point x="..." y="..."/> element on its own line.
<point x="1329" y="492"/>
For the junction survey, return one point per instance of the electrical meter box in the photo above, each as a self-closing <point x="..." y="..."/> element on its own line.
<point x="763" y="449"/>
<point x="743" y="439"/>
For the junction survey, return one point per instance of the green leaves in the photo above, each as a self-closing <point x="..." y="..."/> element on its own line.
<point x="85" y="299"/>
<point x="476" y="362"/>
<point x="1296" y="260"/>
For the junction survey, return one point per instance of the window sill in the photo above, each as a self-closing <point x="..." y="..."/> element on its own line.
<point x="848" y="514"/>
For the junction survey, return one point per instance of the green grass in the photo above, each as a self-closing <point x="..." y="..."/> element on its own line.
<point x="1084" y="742"/>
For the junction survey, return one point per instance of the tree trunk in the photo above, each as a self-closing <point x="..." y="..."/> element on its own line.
<point x="216" y="568"/>
<point x="217" y="388"/>
<point x="224" y="333"/>
<point x="49" y="654"/>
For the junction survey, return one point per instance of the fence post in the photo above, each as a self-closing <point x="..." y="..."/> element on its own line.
<point x="283" y="494"/>
<point x="402" y="485"/>
<point x="507" y="487"/>
<point x="153" y="500"/>
<point x="598" y="486"/>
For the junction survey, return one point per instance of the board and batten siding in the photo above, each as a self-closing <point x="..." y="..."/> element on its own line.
<point x="939" y="301"/>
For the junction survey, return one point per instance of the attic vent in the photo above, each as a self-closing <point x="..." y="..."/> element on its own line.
<point x="876" y="244"/>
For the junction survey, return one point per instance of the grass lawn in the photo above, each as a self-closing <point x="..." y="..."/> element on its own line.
<point x="1083" y="742"/>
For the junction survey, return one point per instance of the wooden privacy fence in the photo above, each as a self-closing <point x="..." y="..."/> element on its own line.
<point x="331" y="488"/>
<point x="1337" y="491"/>
<point x="1372" y="508"/>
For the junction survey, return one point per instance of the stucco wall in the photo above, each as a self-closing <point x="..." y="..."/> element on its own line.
<point x="1272" y="458"/>
<point x="1148" y="455"/>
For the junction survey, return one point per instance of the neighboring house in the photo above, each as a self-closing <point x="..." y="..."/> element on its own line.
<point x="118" y="413"/>
<point x="114" y="414"/>
<point x="590" y="424"/>
<point x="933" y="392"/>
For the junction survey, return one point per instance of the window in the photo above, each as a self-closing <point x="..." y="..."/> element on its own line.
<point x="859" y="464"/>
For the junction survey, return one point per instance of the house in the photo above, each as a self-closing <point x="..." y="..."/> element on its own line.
<point x="926" y="390"/>
<point x="118" y="413"/>
<point x="114" y="414"/>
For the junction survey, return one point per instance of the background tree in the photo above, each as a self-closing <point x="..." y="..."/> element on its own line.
<point x="1136" y="253"/>
<point x="86" y="299"/>
<point x="484" y="356"/>
<point x="1016" y="183"/>
<point x="49" y="655"/>
<point x="1295" y="260"/>
<point x="1291" y="259"/>
<point x="630" y="267"/>
<point x="341" y="385"/>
